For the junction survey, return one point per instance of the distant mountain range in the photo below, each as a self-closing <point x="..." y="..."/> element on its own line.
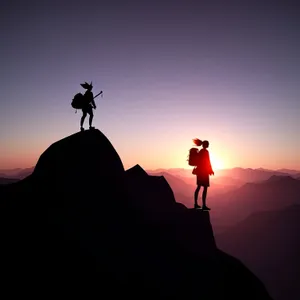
<point x="225" y="189"/>
<point x="275" y="193"/>
<point x="254" y="175"/>
<point x="239" y="174"/>
<point x="184" y="186"/>
<point x="233" y="203"/>
<point x="234" y="176"/>
<point x="269" y="244"/>
<point x="17" y="173"/>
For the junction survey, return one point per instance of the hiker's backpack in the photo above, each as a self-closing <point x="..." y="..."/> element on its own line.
<point x="78" y="101"/>
<point x="193" y="158"/>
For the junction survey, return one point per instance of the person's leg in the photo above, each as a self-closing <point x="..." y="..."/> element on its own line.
<point x="91" y="119"/>
<point x="82" y="119"/>
<point x="90" y="112"/>
<point x="204" y="193"/>
<point x="196" y="196"/>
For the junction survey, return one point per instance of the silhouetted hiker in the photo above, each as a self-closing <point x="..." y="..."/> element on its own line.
<point x="202" y="171"/>
<point x="89" y="104"/>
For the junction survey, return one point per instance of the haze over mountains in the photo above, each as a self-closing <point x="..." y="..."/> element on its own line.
<point x="16" y="173"/>
<point x="234" y="176"/>
<point x="92" y="228"/>
<point x="240" y="174"/>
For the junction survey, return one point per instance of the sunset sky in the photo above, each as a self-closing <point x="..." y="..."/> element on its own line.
<point x="225" y="71"/>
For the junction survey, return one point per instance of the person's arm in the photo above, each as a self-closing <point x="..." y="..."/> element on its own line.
<point x="211" y="172"/>
<point x="93" y="101"/>
<point x="93" y="104"/>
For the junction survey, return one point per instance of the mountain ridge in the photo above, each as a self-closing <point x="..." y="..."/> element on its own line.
<point x="20" y="173"/>
<point x="91" y="231"/>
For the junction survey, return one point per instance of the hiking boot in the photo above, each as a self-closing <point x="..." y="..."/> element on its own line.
<point x="205" y="208"/>
<point x="81" y="129"/>
<point x="196" y="206"/>
<point x="91" y="127"/>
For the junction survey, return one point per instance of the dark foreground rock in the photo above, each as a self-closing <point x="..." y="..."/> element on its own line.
<point x="81" y="225"/>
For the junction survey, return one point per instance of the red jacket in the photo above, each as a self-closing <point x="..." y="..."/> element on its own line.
<point x="204" y="167"/>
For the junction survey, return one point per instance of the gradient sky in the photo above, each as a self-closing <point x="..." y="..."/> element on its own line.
<point x="225" y="71"/>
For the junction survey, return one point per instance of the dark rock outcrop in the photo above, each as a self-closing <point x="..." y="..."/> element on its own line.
<point x="81" y="156"/>
<point x="4" y="180"/>
<point x="81" y="225"/>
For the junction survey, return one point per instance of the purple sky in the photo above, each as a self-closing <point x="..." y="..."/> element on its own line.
<point x="226" y="71"/>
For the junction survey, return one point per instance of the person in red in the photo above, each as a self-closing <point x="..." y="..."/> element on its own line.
<point x="203" y="171"/>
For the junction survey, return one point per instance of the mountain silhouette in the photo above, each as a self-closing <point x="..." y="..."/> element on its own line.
<point x="233" y="177"/>
<point x="275" y="193"/>
<point x="254" y="175"/>
<point x="184" y="186"/>
<point x="81" y="225"/>
<point x="276" y="178"/>
<point x="177" y="183"/>
<point x="269" y="244"/>
<point x="289" y="171"/>
<point x="17" y="173"/>
<point x="178" y="172"/>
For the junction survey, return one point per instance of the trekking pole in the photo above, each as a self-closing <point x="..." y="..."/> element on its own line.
<point x="101" y="93"/>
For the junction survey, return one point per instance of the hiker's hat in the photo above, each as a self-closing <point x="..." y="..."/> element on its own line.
<point x="87" y="85"/>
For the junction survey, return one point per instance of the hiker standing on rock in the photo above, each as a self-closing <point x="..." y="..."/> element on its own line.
<point x="88" y="106"/>
<point x="86" y="103"/>
<point x="203" y="170"/>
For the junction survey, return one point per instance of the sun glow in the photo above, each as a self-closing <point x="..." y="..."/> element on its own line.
<point x="216" y="162"/>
